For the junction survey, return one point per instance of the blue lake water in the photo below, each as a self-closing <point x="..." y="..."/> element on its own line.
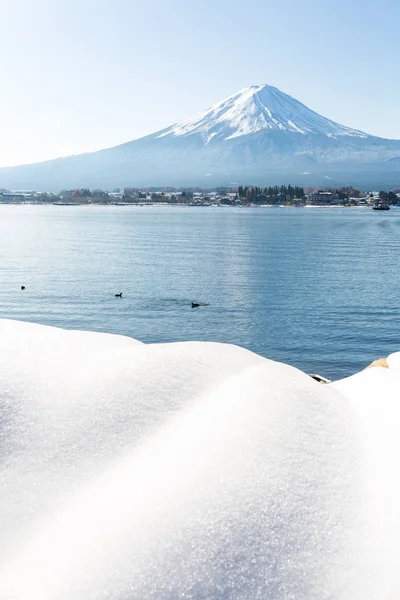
<point x="315" y="288"/>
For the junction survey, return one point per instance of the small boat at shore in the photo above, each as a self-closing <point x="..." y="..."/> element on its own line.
<point x="381" y="206"/>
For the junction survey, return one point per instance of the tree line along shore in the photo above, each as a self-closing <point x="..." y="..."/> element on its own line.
<point x="240" y="195"/>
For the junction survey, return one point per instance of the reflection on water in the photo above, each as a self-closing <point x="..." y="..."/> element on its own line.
<point x="316" y="288"/>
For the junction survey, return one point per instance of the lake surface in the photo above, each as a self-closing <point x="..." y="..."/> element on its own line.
<point x="316" y="288"/>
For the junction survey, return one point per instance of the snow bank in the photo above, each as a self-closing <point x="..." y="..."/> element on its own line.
<point x="191" y="470"/>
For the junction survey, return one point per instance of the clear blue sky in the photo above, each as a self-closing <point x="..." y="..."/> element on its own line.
<point x="80" y="75"/>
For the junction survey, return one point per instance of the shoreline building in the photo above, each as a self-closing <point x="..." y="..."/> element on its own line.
<point x="320" y="197"/>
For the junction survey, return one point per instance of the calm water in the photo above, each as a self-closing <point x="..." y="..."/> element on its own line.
<point x="316" y="288"/>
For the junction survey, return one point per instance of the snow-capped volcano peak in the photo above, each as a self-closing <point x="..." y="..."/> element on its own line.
<point x="258" y="135"/>
<point x="257" y="108"/>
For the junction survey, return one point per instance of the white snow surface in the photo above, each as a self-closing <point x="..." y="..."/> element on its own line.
<point x="191" y="470"/>
<point x="257" y="108"/>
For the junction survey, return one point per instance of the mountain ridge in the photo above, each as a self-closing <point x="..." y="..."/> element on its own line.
<point x="257" y="135"/>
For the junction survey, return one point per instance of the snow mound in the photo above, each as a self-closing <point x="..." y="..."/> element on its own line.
<point x="191" y="470"/>
<point x="258" y="108"/>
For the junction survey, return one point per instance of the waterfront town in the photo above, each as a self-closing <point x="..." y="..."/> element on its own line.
<point x="222" y="196"/>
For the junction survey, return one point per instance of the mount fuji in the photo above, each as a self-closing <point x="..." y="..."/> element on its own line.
<point x="259" y="135"/>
